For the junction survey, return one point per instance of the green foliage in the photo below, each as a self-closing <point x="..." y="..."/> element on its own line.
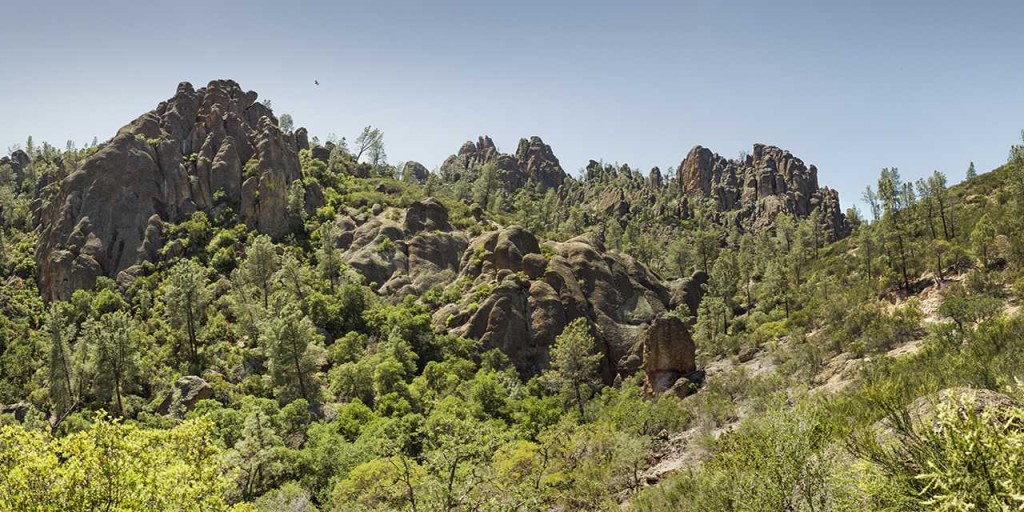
<point x="292" y="347"/>
<point x="574" y="363"/>
<point x="961" y="458"/>
<point x="113" y="466"/>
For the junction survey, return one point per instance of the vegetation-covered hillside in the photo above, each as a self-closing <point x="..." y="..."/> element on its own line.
<point x="213" y="310"/>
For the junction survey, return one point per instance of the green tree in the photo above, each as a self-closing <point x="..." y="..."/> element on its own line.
<point x="983" y="239"/>
<point x="486" y="186"/>
<point x="286" y="123"/>
<point x="574" y="363"/>
<point x="64" y="368"/>
<point x="971" y="172"/>
<point x="114" y="466"/>
<point x="186" y="297"/>
<point x="256" y="454"/>
<point x="295" y="204"/>
<point x="259" y="267"/>
<point x="370" y="143"/>
<point x="114" y="342"/>
<point x="292" y="346"/>
<point x="327" y="254"/>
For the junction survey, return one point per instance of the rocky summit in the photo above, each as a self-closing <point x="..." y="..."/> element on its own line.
<point x="207" y="149"/>
<point x="767" y="182"/>
<point x="533" y="162"/>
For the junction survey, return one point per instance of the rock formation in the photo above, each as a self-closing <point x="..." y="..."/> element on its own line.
<point x="668" y="353"/>
<point x="404" y="257"/>
<point x="203" y="149"/>
<point x="539" y="163"/>
<point x="768" y="182"/>
<point x="414" y="172"/>
<point x="529" y="296"/>
<point x="18" y="161"/>
<point x="534" y="161"/>
<point x="185" y="394"/>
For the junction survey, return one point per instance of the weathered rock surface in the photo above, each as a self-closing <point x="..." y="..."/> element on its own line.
<point x="689" y="292"/>
<point x="529" y="298"/>
<point x="768" y="182"/>
<point x="534" y="161"/>
<point x="415" y="172"/>
<point x="407" y="257"/>
<point x="187" y="391"/>
<point x="539" y="163"/>
<point x="668" y="353"/>
<point x="190" y="153"/>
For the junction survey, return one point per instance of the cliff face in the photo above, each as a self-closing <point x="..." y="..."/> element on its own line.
<point x="768" y="182"/>
<point x="188" y="154"/>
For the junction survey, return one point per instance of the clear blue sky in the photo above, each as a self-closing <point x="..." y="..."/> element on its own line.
<point x="920" y="85"/>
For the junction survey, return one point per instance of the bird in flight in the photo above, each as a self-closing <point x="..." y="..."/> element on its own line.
<point x="316" y="82"/>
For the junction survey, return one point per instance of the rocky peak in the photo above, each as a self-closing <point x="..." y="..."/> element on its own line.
<point x="539" y="163"/>
<point x="769" y="181"/>
<point x="533" y="161"/>
<point x="168" y="162"/>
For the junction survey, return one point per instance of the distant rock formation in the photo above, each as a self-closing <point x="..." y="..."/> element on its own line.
<point x="534" y="161"/>
<point x="768" y="182"/>
<point x="200" y="150"/>
<point x="18" y="161"/>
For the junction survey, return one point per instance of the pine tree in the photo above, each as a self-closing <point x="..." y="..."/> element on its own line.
<point x="328" y="256"/>
<point x="971" y="172"/>
<point x="186" y="298"/>
<point x="255" y="453"/>
<point x="63" y="375"/>
<point x="114" y="351"/>
<point x="259" y="267"/>
<point x="292" y="344"/>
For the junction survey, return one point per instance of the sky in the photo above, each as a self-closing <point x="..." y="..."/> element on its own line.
<point x="851" y="87"/>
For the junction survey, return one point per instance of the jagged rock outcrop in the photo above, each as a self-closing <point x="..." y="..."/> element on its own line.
<point x="539" y="163"/>
<point x="767" y="182"/>
<point x="191" y="153"/>
<point x="529" y="298"/>
<point x="534" y="161"/>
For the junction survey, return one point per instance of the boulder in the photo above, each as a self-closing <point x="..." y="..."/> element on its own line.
<point x="415" y="172"/>
<point x="689" y="292"/>
<point x="669" y="353"/>
<point x="187" y="391"/>
<point x="580" y="279"/>
<point x="426" y="215"/>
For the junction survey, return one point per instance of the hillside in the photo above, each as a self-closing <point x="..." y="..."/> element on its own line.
<point x="299" y="324"/>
